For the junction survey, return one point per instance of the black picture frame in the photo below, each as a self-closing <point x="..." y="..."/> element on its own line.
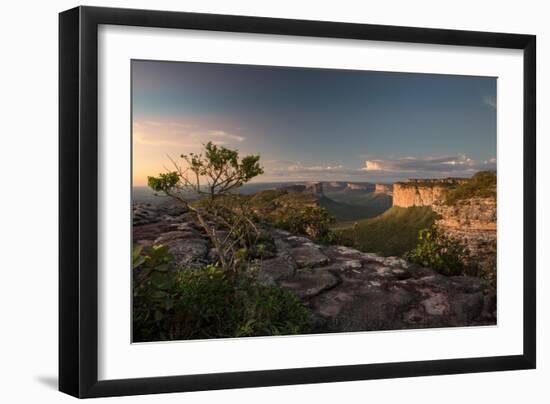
<point x="78" y="201"/>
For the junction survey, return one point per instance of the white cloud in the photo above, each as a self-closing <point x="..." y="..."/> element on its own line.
<point x="415" y="164"/>
<point x="376" y="169"/>
<point x="490" y="101"/>
<point x="181" y="134"/>
<point x="224" y="135"/>
<point x="390" y="169"/>
<point x="372" y="165"/>
<point x="297" y="171"/>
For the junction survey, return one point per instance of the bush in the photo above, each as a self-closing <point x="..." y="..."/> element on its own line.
<point x="203" y="303"/>
<point x="439" y="252"/>
<point x="297" y="212"/>
<point x="482" y="185"/>
<point x="312" y="221"/>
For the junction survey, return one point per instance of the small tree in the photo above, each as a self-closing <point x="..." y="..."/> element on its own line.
<point x="440" y="252"/>
<point x="211" y="175"/>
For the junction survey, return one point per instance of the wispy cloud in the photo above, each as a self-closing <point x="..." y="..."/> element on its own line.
<point x="430" y="165"/>
<point x="224" y="135"/>
<point x="490" y="101"/>
<point x="414" y="164"/>
<point x="181" y="134"/>
<point x="296" y="170"/>
<point x="299" y="167"/>
<point x="380" y="169"/>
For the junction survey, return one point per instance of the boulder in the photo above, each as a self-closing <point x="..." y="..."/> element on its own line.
<point x="187" y="253"/>
<point x="308" y="283"/>
<point x="275" y="269"/>
<point x="308" y="256"/>
<point x="346" y="290"/>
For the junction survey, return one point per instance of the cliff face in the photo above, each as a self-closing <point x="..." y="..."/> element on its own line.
<point x="383" y="189"/>
<point x="421" y="192"/>
<point x="473" y="222"/>
<point x="316" y="188"/>
<point x="345" y="289"/>
<point x="406" y="195"/>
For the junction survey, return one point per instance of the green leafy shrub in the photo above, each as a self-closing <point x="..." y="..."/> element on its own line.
<point x="153" y="292"/>
<point x="439" y="252"/>
<point x="482" y="185"/>
<point x="204" y="303"/>
<point x="487" y="268"/>
<point x="297" y="212"/>
<point x="312" y="221"/>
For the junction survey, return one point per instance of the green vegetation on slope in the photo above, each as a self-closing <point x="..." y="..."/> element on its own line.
<point x="303" y="212"/>
<point x="347" y="206"/>
<point x="482" y="185"/>
<point x="393" y="233"/>
<point x="343" y="212"/>
<point x="297" y="212"/>
<point x="275" y="204"/>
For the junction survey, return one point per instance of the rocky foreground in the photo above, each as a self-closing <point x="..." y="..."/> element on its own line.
<point x="347" y="290"/>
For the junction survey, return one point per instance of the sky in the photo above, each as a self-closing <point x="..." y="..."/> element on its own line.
<point x="314" y="124"/>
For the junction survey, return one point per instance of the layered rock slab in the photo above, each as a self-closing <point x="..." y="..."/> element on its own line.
<point x="345" y="289"/>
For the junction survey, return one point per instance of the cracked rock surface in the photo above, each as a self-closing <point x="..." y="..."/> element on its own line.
<point x="345" y="289"/>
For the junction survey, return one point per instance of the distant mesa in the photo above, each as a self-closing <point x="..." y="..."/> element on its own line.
<point x="437" y="181"/>
<point x="319" y="188"/>
<point x="354" y="186"/>
<point x="316" y="188"/>
<point x="295" y="188"/>
<point x="422" y="192"/>
<point x="335" y="185"/>
<point x="344" y="186"/>
<point x="383" y="189"/>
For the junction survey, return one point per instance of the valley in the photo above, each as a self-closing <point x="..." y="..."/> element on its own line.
<point x="345" y="201"/>
<point x="384" y="219"/>
<point x="335" y="245"/>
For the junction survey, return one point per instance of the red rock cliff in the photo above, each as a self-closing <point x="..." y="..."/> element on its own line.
<point x="474" y="222"/>
<point x="421" y="192"/>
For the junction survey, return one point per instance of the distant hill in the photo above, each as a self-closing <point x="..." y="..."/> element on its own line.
<point x="146" y="195"/>
<point x="327" y="186"/>
<point x="367" y="204"/>
<point x="341" y="211"/>
<point x="392" y="233"/>
<point x="345" y="201"/>
<point x="275" y="202"/>
<point x="346" y="186"/>
<point x="362" y="208"/>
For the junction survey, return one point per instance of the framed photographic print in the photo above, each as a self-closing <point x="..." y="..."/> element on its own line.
<point x="251" y="201"/>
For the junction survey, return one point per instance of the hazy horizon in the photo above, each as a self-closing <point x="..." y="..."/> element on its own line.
<point x="315" y="124"/>
<point x="258" y="181"/>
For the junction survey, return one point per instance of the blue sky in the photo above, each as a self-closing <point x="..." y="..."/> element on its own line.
<point x="315" y="124"/>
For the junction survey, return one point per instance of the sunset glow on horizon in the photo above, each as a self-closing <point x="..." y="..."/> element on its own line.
<point x="314" y="124"/>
